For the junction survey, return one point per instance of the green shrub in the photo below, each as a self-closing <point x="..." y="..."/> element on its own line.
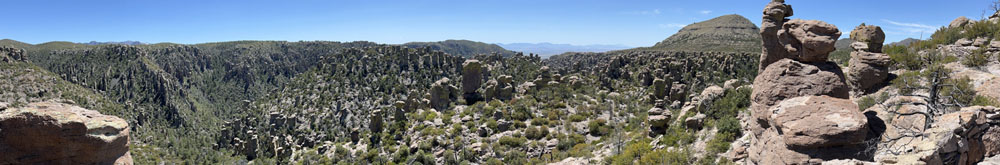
<point x="512" y="141"/>
<point x="663" y="156"/>
<point x="902" y="58"/>
<point x="577" y="118"/>
<point x="633" y="151"/>
<point x="869" y="101"/>
<point x="978" y="58"/>
<point x="985" y="101"/>
<point x="841" y="57"/>
<point x="599" y="127"/>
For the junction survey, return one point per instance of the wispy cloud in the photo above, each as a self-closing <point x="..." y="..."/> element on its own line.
<point x="705" y="12"/>
<point x="644" y="12"/>
<point x="913" y="25"/>
<point x="672" y="25"/>
<point x="907" y="29"/>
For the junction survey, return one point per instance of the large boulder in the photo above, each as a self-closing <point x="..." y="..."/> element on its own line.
<point x="58" y="133"/>
<point x="808" y="40"/>
<point x="819" y="121"/>
<point x="961" y="21"/>
<point x="789" y="79"/>
<point x="866" y="70"/>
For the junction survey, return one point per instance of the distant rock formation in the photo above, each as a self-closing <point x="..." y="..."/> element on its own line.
<point x="58" y="133"/>
<point x="11" y="55"/>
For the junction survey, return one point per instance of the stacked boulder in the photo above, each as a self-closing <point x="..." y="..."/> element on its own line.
<point x="58" y="133"/>
<point x="472" y="78"/>
<point x="501" y="88"/>
<point x="868" y="67"/>
<point x="659" y="117"/>
<point x="800" y="108"/>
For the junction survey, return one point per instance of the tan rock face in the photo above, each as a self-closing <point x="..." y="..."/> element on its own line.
<point x="808" y="40"/>
<point x="788" y="79"/>
<point x="57" y="133"/>
<point x="867" y="70"/>
<point x="819" y="121"/>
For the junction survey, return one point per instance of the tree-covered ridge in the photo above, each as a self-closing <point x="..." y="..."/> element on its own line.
<point x="464" y="48"/>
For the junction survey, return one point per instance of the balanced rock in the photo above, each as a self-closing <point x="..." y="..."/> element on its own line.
<point x="57" y="133"/>
<point x="819" y="121"/>
<point x="868" y="67"/>
<point x="808" y="40"/>
<point x="869" y="37"/>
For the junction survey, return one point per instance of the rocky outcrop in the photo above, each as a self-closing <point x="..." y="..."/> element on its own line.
<point x="472" y="79"/>
<point x="501" y="88"/>
<point x="10" y="55"/>
<point x="659" y="121"/>
<point x="799" y="107"/>
<point x="58" y="133"/>
<point x="776" y="13"/>
<point x="868" y="66"/>
<point x="442" y="93"/>
<point x="961" y="21"/>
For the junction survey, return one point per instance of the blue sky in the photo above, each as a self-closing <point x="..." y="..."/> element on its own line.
<point x="627" y="22"/>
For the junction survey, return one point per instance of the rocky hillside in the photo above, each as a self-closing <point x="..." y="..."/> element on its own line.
<point x="728" y="33"/>
<point x="464" y="48"/>
<point x="718" y="92"/>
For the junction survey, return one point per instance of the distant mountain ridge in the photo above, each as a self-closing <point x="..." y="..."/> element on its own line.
<point x="129" y="42"/>
<point x="546" y="49"/>
<point x="464" y="48"/>
<point x="728" y="33"/>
